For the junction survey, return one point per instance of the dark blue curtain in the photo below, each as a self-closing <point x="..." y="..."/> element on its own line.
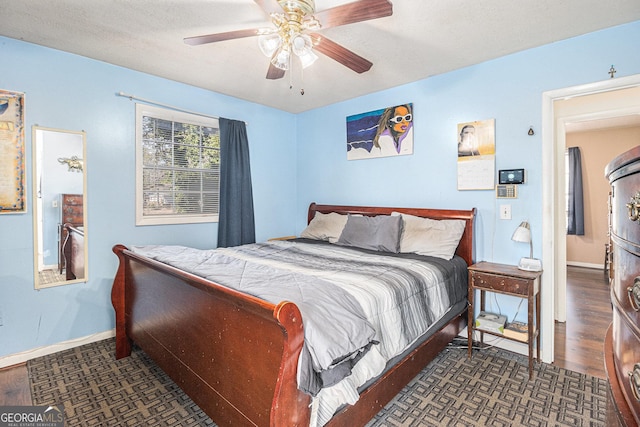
<point x="236" y="224"/>
<point x="575" y="211"/>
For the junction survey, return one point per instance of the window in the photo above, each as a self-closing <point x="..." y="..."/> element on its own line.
<point x="177" y="167"/>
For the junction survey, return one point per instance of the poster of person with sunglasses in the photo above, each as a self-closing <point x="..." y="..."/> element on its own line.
<point x="380" y="133"/>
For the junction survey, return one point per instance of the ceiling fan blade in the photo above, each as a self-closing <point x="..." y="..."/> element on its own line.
<point x="211" y="38"/>
<point x="269" y="6"/>
<point x="361" y="10"/>
<point x="340" y="53"/>
<point x="274" y="73"/>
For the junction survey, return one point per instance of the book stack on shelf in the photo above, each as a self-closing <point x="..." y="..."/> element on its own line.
<point x="517" y="330"/>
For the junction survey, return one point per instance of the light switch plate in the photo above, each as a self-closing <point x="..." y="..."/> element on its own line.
<point x="505" y="211"/>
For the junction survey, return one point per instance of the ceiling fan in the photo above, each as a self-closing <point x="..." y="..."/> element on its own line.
<point x="294" y="32"/>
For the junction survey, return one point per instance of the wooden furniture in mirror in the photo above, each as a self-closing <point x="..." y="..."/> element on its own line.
<point x="73" y="251"/>
<point x="71" y="213"/>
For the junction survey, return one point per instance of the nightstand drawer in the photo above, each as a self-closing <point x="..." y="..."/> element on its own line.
<point x="510" y="285"/>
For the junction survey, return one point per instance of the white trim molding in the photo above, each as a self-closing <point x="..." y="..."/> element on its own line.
<point x="17" y="358"/>
<point x="553" y="233"/>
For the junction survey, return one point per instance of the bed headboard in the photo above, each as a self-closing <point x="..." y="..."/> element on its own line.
<point x="466" y="247"/>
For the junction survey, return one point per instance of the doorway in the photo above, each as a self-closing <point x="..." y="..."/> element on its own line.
<point x="602" y="100"/>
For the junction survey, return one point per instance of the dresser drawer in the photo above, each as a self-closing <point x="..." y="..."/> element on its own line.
<point x="625" y="216"/>
<point x="72" y="209"/>
<point x="72" y="215"/>
<point x="626" y="345"/>
<point x="504" y="284"/>
<point x="626" y="283"/>
<point x="72" y="199"/>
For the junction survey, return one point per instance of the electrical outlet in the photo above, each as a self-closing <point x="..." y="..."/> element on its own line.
<point x="505" y="211"/>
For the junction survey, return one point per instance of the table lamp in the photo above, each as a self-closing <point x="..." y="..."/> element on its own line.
<point x="523" y="234"/>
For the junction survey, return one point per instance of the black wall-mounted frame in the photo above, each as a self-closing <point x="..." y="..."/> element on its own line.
<point x="511" y="176"/>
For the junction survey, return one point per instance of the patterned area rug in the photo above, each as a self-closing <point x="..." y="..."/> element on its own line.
<point x="490" y="389"/>
<point x="493" y="389"/>
<point x="51" y="276"/>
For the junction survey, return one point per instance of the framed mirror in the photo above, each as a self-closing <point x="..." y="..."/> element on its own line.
<point x="59" y="200"/>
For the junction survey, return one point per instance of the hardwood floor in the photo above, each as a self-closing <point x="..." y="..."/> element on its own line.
<point x="14" y="386"/>
<point x="578" y="343"/>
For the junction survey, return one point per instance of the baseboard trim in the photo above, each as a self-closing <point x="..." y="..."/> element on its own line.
<point x="586" y="265"/>
<point x="17" y="358"/>
<point x="503" y="343"/>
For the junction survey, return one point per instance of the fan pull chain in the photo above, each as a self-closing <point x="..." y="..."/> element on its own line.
<point x="291" y="76"/>
<point x="290" y="73"/>
<point x="301" y="81"/>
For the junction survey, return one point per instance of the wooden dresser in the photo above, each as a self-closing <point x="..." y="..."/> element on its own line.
<point x="622" y="343"/>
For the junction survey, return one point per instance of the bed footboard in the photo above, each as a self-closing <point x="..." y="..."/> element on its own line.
<point x="235" y="355"/>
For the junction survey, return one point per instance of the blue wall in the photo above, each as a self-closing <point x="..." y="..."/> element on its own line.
<point x="289" y="169"/>
<point x="75" y="93"/>
<point x="509" y="90"/>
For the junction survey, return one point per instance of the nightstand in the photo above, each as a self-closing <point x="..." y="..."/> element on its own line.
<point x="507" y="280"/>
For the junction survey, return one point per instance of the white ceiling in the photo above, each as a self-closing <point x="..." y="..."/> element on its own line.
<point x="423" y="38"/>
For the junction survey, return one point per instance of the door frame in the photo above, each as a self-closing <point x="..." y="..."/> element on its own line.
<point x="554" y="257"/>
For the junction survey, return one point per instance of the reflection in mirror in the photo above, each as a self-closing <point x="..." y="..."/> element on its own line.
<point x="59" y="217"/>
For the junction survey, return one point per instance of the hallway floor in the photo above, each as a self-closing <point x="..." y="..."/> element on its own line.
<point x="579" y="342"/>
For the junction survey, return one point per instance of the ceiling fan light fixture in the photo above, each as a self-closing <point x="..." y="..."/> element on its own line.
<point x="269" y="43"/>
<point x="307" y="58"/>
<point x="282" y="58"/>
<point x="293" y="32"/>
<point x="301" y="44"/>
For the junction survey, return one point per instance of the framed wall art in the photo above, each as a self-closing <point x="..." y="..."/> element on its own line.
<point x="380" y="133"/>
<point x="12" y="161"/>
<point x="476" y="155"/>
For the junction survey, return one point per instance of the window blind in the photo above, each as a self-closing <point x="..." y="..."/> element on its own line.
<point x="180" y="167"/>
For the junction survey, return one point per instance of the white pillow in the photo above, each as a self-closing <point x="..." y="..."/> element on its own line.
<point x="424" y="236"/>
<point x="325" y="227"/>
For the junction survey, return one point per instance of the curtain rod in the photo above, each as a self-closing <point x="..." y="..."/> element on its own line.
<point x="148" y="101"/>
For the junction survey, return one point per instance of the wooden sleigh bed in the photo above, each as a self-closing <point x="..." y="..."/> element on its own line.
<point x="236" y="355"/>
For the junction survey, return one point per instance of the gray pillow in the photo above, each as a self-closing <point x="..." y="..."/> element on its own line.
<point x="378" y="233"/>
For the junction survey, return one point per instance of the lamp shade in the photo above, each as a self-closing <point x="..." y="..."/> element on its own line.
<point x="522" y="233"/>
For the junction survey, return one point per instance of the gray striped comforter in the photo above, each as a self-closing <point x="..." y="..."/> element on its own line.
<point x="353" y="302"/>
